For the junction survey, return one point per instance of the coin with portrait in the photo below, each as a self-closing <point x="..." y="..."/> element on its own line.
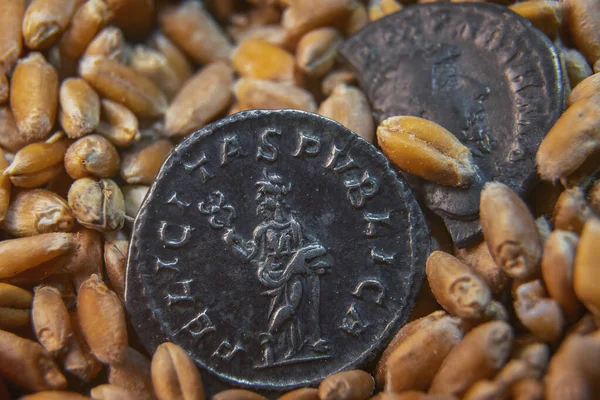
<point x="480" y="71"/>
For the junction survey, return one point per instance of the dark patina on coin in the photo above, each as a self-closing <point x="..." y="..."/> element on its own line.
<point x="479" y="70"/>
<point x="276" y="247"/>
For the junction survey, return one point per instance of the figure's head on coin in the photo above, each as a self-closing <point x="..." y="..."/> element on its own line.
<point x="271" y="190"/>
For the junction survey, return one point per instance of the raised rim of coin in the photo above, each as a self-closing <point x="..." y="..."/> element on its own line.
<point x="431" y="61"/>
<point x="146" y="321"/>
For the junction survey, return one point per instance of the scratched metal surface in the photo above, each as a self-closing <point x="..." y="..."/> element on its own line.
<point x="276" y="247"/>
<point x="479" y="70"/>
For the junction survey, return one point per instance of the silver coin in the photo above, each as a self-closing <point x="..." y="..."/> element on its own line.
<point x="276" y="248"/>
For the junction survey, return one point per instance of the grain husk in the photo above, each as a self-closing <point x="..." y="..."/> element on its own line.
<point x="80" y="108"/>
<point x="347" y="385"/>
<point x="380" y="8"/>
<point x="54" y="395"/>
<point x="92" y="156"/>
<point x="509" y="231"/>
<point x="123" y="85"/>
<point x="11" y="24"/>
<point x="175" y="57"/>
<point x="97" y="204"/>
<point x="571" y="210"/>
<point x="86" y="259"/>
<point x="593" y="197"/>
<point x="102" y="321"/>
<point x="15" y="305"/>
<point x="19" y="255"/>
<point x="134" y="375"/>
<point x="586" y="267"/>
<point x="304" y="16"/>
<point x="38" y="163"/>
<point x="558" y="264"/>
<point x="118" y="124"/>
<point x="10" y="139"/>
<point x="238" y="394"/>
<point x="456" y="287"/>
<point x="573" y="372"/>
<point x="260" y="94"/>
<point x="174" y="374"/>
<point x="540" y="314"/>
<point x="545" y="15"/>
<point x="140" y="165"/>
<point x="528" y="389"/>
<point x="37" y="179"/>
<point x="317" y="50"/>
<point x="134" y="17"/>
<point x="480" y="260"/>
<point x="27" y="364"/>
<point x="412" y="395"/>
<point x="79" y="359"/>
<point x="45" y="21"/>
<point x="88" y="20"/>
<point x="301" y="394"/>
<point x="115" y="260"/>
<point x="335" y="78"/>
<point x="204" y="96"/>
<point x="111" y="392"/>
<point x="349" y="106"/>
<point x="571" y="140"/>
<point x="191" y="28"/>
<point x="259" y="59"/>
<point x="51" y="320"/>
<point x="274" y="34"/>
<point x="586" y="89"/>
<point x="33" y="212"/>
<point x="4" y="88"/>
<point x="482" y="352"/>
<point x="134" y="196"/>
<point x="34" y="97"/>
<point x="403" y="366"/>
<point x="5" y="187"/>
<point x="108" y="43"/>
<point x="426" y="149"/>
<point x="582" y="20"/>
<point x="154" y="65"/>
<point x="359" y="17"/>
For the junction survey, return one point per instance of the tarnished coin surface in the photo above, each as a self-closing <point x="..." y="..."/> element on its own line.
<point x="479" y="70"/>
<point x="276" y="247"/>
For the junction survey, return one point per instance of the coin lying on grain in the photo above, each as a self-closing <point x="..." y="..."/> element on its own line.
<point x="478" y="70"/>
<point x="275" y="247"/>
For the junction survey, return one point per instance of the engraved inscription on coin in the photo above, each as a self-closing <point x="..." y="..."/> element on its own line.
<point x="276" y="247"/>
<point x="480" y="71"/>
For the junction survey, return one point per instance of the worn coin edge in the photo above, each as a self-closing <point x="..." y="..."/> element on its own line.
<point x="420" y="245"/>
<point x="528" y="179"/>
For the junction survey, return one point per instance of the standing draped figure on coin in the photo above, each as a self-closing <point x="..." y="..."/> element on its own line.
<point x="287" y="250"/>
<point x="288" y="265"/>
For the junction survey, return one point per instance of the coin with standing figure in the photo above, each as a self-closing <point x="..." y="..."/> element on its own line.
<point x="276" y="248"/>
<point x="479" y="70"/>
